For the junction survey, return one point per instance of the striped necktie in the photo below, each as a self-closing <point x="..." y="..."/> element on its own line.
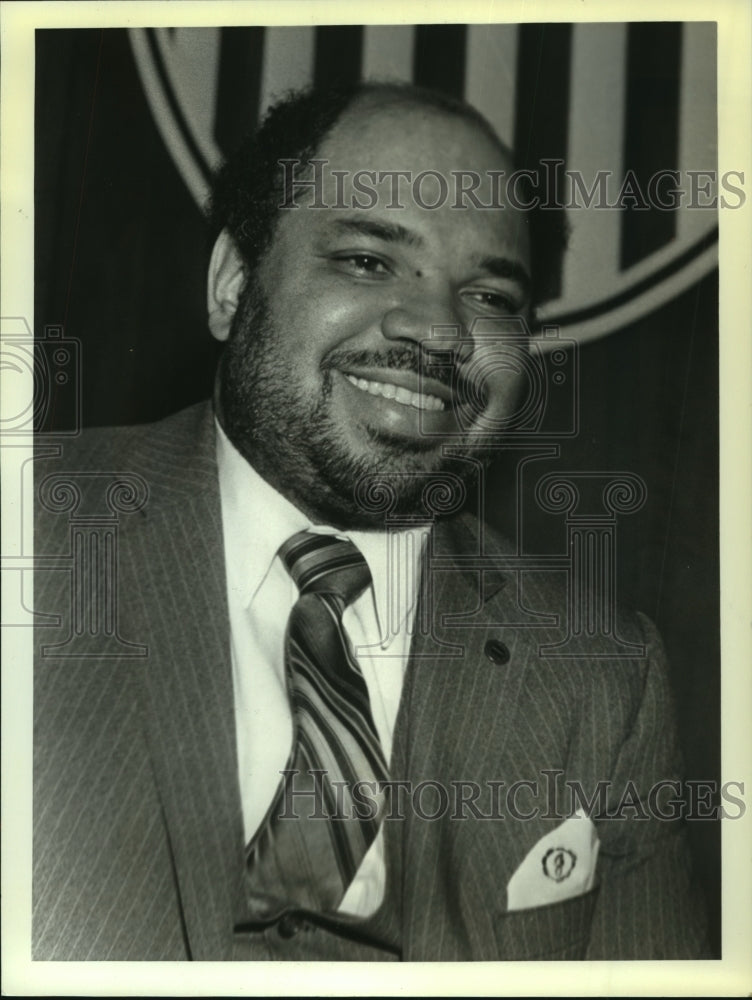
<point x="316" y="834"/>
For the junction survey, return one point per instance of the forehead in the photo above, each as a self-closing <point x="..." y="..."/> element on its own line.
<point x="417" y="163"/>
<point x="381" y="134"/>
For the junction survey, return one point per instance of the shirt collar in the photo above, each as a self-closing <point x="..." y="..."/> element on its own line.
<point x="256" y="520"/>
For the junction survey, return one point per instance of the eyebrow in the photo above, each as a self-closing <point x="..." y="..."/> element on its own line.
<point x="390" y="232"/>
<point x="503" y="267"/>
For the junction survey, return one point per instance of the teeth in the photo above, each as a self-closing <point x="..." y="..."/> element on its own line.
<point x="421" y="401"/>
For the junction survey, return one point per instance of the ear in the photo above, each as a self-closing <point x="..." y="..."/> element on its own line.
<point x="224" y="284"/>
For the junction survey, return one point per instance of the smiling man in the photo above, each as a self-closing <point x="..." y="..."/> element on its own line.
<point x="327" y="374"/>
<point x="313" y="726"/>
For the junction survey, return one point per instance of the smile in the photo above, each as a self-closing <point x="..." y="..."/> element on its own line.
<point x="419" y="400"/>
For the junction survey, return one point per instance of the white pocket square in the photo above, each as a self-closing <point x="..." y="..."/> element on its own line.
<point x="559" y="866"/>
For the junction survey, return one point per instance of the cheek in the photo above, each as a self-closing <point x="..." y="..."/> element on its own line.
<point x="313" y="320"/>
<point x="499" y="377"/>
<point x="508" y="387"/>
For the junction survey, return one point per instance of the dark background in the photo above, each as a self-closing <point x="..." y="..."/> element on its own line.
<point x="121" y="254"/>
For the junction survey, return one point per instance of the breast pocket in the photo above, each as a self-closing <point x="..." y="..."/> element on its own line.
<point x="559" y="932"/>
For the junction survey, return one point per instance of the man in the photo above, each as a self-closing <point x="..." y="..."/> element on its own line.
<point x="301" y="717"/>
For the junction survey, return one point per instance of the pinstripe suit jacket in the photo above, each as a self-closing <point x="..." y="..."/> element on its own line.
<point x="138" y="835"/>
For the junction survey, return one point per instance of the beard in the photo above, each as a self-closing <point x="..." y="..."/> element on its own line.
<point x="292" y="440"/>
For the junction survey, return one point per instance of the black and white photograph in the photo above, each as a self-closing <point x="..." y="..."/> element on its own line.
<point x="368" y="509"/>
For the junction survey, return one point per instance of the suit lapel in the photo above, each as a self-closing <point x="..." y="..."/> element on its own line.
<point x="456" y="701"/>
<point x="175" y="598"/>
<point x="450" y="669"/>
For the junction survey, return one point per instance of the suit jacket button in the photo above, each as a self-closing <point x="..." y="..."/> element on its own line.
<point x="290" y="924"/>
<point x="496" y="651"/>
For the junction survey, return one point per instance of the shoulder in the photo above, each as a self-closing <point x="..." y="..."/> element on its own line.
<point x="163" y="462"/>
<point x="554" y="581"/>
<point x="169" y="439"/>
<point x="566" y="624"/>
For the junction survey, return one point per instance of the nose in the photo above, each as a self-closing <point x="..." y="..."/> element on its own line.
<point x="429" y="318"/>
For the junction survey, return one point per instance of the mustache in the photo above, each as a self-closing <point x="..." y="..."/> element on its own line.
<point x="398" y="359"/>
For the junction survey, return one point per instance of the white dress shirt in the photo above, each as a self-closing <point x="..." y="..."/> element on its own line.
<point x="256" y="520"/>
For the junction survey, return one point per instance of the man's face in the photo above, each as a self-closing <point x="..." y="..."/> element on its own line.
<point x="328" y="377"/>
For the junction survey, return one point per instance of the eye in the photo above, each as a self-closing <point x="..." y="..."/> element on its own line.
<point x="493" y="301"/>
<point x="362" y="263"/>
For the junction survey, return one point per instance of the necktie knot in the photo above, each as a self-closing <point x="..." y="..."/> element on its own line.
<point x="325" y="564"/>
